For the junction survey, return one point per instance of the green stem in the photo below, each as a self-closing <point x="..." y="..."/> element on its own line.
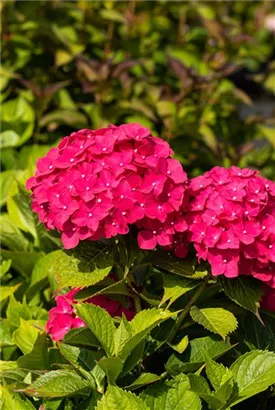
<point x="137" y="300"/>
<point x="187" y="308"/>
<point x="137" y="303"/>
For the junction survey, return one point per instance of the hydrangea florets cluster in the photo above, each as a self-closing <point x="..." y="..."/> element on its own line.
<point x="97" y="183"/>
<point x="63" y="318"/>
<point x="232" y="222"/>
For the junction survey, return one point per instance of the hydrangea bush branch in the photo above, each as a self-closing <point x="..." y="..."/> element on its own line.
<point x="151" y="255"/>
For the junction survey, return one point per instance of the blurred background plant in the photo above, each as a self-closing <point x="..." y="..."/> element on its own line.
<point x="199" y="74"/>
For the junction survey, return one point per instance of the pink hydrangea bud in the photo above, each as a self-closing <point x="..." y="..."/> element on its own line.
<point x="62" y="317"/>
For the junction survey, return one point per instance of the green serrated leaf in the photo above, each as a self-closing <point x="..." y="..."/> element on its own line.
<point x="141" y="325"/>
<point x="16" y="311"/>
<point x="117" y="399"/>
<point x="194" y="356"/>
<point x="82" y="359"/>
<point x="25" y="336"/>
<point x="142" y="380"/>
<point x="217" y="373"/>
<point x="7" y="291"/>
<point x="100" y="323"/>
<point x="35" y="360"/>
<point x="172" y="395"/>
<point x="58" y="383"/>
<point x="198" y="384"/>
<point x="112" y="367"/>
<point x="134" y="358"/>
<point x="6" y="330"/>
<point x="183" y="267"/>
<point x="7" y="365"/>
<point x="253" y="372"/>
<point x="4" y="267"/>
<point x="255" y="335"/>
<point x="246" y="292"/>
<point x="176" y="286"/>
<point x="81" y="336"/>
<point x="216" y="320"/>
<point x="181" y="346"/>
<point x="123" y="333"/>
<point x="83" y="266"/>
<point x="14" y="401"/>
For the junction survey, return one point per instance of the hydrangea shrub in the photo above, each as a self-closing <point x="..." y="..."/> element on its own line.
<point x="158" y="277"/>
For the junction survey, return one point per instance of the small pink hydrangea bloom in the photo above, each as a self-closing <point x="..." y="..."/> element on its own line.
<point x="63" y="318"/>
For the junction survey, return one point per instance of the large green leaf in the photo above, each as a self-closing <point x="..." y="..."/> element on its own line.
<point x="81" y="336"/>
<point x="14" y="401"/>
<point x="25" y="336"/>
<point x="200" y="386"/>
<point x="143" y="380"/>
<point x="85" y="265"/>
<point x="117" y="399"/>
<point x="6" y="333"/>
<point x="141" y="325"/>
<point x="123" y="333"/>
<point x="176" y="286"/>
<point x="38" y="358"/>
<point x="253" y="372"/>
<point x="246" y="292"/>
<point x="256" y="335"/>
<point x="168" y="262"/>
<point x="100" y="323"/>
<point x="217" y="373"/>
<point x="112" y="367"/>
<point x="172" y="395"/>
<point x="79" y="356"/>
<point x="82" y="359"/>
<point x="58" y="383"/>
<point x="216" y="320"/>
<point x="194" y="356"/>
<point x="17" y="311"/>
<point x="7" y="291"/>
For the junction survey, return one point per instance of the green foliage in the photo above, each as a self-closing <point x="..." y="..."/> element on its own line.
<point x="58" y="383"/>
<point x="84" y="266"/>
<point x="243" y="291"/>
<point x="116" y="398"/>
<point x="216" y="320"/>
<point x="172" y="395"/>
<point x="253" y="373"/>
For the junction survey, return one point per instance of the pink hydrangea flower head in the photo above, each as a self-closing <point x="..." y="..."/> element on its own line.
<point x="231" y="222"/>
<point x="63" y="318"/>
<point x="96" y="184"/>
